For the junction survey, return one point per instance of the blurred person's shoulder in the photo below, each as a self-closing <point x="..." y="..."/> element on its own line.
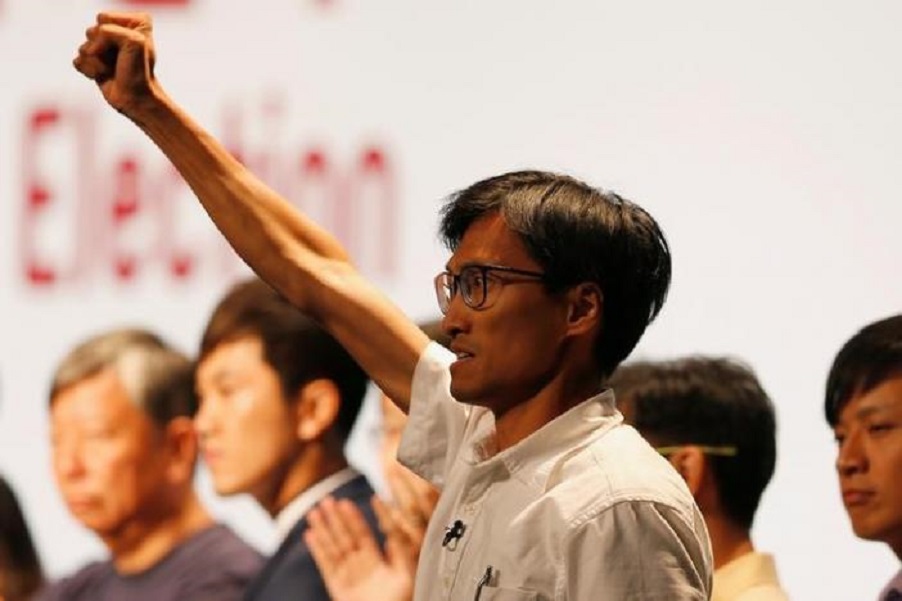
<point x="211" y="559"/>
<point x="84" y="583"/>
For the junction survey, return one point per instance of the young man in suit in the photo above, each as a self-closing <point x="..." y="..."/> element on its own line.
<point x="278" y="398"/>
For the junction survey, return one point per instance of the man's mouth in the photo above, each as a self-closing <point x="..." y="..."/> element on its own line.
<point x="857" y="497"/>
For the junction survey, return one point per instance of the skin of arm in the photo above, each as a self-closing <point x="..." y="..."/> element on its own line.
<point x="297" y="257"/>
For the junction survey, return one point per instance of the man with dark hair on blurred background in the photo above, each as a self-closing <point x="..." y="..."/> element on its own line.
<point x="715" y="423"/>
<point x="863" y="405"/>
<point x="124" y="452"/>
<point x="278" y="398"/>
<point x="550" y="285"/>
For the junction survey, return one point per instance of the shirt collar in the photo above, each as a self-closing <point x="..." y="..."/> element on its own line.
<point x="573" y="429"/>
<point x="750" y="569"/>
<point x="298" y="507"/>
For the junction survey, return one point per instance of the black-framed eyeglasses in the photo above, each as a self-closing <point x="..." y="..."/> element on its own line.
<point x="478" y="284"/>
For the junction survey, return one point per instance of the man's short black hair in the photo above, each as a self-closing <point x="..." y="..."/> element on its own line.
<point x="707" y="401"/>
<point x="870" y="357"/>
<point x="577" y="234"/>
<point x="295" y="346"/>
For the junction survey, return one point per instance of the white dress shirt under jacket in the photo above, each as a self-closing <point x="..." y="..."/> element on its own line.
<point x="304" y="502"/>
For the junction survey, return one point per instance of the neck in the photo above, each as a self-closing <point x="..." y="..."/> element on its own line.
<point x="728" y="541"/>
<point x="315" y="462"/>
<point x="555" y="398"/>
<point x="141" y="544"/>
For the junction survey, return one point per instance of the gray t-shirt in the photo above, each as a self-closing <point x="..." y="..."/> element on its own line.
<point x="212" y="565"/>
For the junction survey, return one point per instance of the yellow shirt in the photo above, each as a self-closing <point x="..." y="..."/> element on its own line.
<point x="752" y="577"/>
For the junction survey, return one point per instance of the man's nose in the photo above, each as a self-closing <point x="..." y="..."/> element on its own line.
<point x="69" y="462"/>
<point x="852" y="457"/>
<point x="456" y="318"/>
<point x="204" y="419"/>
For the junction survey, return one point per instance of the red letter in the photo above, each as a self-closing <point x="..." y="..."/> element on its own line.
<point x="125" y="207"/>
<point x="371" y="190"/>
<point x="53" y="215"/>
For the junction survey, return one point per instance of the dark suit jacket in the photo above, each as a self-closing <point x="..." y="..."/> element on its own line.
<point x="291" y="572"/>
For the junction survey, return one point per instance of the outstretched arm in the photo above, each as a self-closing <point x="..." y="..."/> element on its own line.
<point x="292" y="253"/>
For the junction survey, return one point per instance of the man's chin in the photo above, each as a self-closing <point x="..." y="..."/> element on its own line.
<point x="872" y="532"/>
<point x="105" y="530"/>
<point x="467" y="396"/>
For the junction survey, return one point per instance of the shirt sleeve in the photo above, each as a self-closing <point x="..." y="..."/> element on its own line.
<point x="634" y="550"/>
<point x="436" y="422"/>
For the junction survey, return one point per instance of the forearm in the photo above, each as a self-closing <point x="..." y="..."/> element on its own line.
<point x="283" y="246"/>
<point x="287" y="249"/>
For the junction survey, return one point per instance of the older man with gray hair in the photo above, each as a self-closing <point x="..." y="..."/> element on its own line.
<point x="124" y="452"/>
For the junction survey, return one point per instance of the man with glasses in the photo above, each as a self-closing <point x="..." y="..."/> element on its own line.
<point x="863" y="405"/>
<point x="550" y="285"/>
<point x="715" y="423"/>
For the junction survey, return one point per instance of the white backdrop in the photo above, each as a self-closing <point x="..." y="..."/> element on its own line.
<point x="766" y="137"/>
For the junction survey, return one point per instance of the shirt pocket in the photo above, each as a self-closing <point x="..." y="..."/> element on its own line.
<point x="495" y="593"/>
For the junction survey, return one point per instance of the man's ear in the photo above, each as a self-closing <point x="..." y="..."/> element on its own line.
<point x="316" y="408"/>
<point x="585" y="308"/>
<point x="692" y="464"/>
<point x="181" y="448"/>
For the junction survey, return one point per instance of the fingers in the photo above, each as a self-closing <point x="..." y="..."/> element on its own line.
<point x="401" y="549"/>
<point x="130" y="20"/>
<point x="324" y="553"/>
<point x="383" y="515"/>
<point x="340" y="529"/>
<point x="392" y="524"/>
<point x="334" y="522"/>
<point x="326" y="550"/>
<point x="323" y="525"/>
<point x="355" y="525"/>
<point x="415" y="496"/>
<point x="102" y="44"/>
<point x="92" y="67"/>
<point x="402" y="492"/>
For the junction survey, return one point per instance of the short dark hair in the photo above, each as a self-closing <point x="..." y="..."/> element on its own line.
<point x="577" y="234"/>
<point x="19" y="564"/>
<point x="158" y="378"/>
<point x="870" y="357"/>
<point x="709" y="401"/>
<point x="297" y="349"/>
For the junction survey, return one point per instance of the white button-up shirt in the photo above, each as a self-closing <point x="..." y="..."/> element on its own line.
<point x="581" y="510"/>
